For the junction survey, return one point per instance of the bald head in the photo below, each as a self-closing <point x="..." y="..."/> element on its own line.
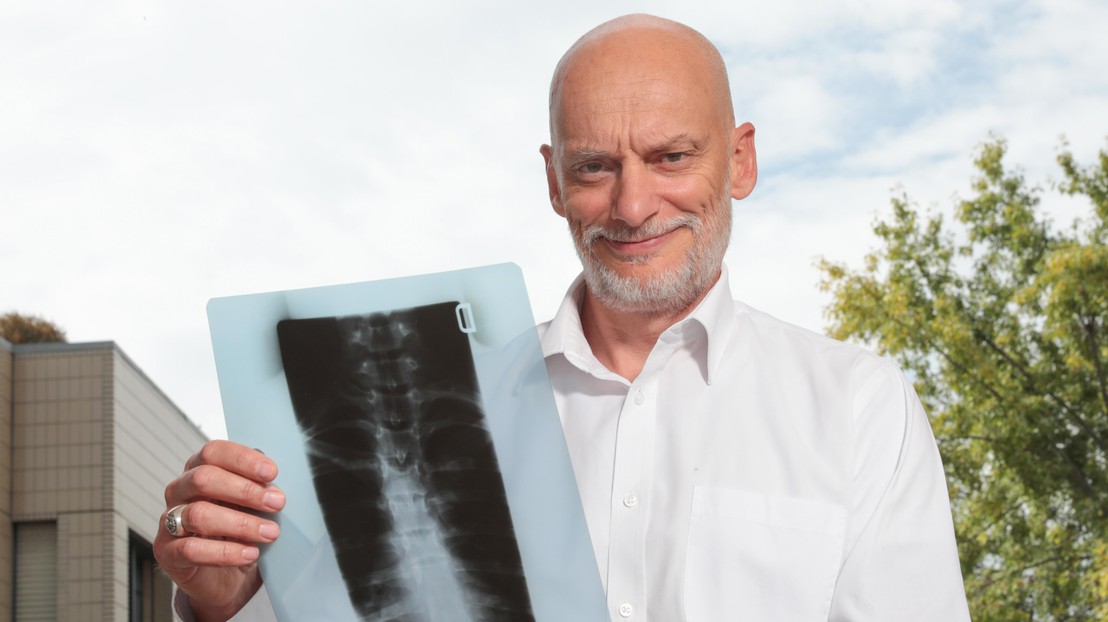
<point x="641" y="48"/>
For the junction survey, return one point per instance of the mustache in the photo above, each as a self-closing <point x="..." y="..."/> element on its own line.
<point x="645" y="231"/>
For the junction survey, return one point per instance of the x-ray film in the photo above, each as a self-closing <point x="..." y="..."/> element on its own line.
<point x="419" y="448"/>
<point x="403" y="464"/>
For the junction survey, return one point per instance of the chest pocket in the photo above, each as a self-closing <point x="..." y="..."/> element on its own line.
<point x="761" y="558"/>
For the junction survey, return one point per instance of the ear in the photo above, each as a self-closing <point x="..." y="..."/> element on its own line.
<point x="744" y="163"/>
<point x="552" y="180"/>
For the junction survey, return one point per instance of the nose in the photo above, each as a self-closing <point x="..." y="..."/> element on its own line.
<point x="634" y="199"/>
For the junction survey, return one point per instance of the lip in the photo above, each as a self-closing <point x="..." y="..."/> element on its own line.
<point x="640" y="247"/>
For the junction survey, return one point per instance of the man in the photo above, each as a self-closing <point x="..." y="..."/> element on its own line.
<point x="730" y="466"/>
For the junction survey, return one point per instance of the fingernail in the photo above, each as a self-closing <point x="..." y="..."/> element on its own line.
<point x="250" y="553"/>
<point x="266" y="471"/>
<point x="273" y="500"/>
<point x="269" y="531"/>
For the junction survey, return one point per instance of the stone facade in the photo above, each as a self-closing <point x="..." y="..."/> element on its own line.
<point x="87" y="444"/>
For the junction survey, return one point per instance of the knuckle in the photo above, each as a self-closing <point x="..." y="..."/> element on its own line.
<point x="191" y="549"/>
<point x="249" y="490"/>
<point x="209" y="453"/>
<point x="202" y="478"/>
<point x="196" y="516"/>
<point x="226" y="552"/>
<point x="243" y="523"/>
<point x="197" y="458"/>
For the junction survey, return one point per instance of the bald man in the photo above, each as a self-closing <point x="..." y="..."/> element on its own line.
<point x="731" y="466"/>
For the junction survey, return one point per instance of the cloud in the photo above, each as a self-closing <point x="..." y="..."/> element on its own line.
<point x="800" y="114"/>
<point x="154" y="155"/>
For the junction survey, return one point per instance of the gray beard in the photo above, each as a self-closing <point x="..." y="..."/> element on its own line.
<point x="675" y="289"/>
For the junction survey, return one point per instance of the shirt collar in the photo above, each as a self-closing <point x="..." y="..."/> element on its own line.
<point x="715" y="314"/>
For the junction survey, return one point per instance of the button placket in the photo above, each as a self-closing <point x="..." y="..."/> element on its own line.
<point x="627" y="531"/>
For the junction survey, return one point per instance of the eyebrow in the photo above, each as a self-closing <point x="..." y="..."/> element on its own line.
<point x="585" y="154"/>
<point x="678" y="142"/>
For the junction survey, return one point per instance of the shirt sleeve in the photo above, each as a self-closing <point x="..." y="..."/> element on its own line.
<point x="257" y="609"/>
<point x="901" y="560"/>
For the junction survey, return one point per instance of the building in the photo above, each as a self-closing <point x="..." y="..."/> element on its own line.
<point x="87" y="444"/>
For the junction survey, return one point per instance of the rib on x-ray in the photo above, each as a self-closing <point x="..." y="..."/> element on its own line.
<point x="404" y="467"/>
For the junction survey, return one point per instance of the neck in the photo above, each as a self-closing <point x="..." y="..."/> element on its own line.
<point x="622" y="340"/>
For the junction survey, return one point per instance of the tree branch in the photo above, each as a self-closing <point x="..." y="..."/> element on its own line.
<point x="1082" y="479"/>
<point x="1000" y="517"/>
<point x="967" y="437"/>
<point x="1030" y="386"/>
<point x="1094" y="350"/>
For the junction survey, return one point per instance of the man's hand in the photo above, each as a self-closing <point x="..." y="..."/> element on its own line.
<point x="214" y="562"/>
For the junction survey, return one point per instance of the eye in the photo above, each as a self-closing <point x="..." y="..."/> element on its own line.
<point x="674" y="158"/>
<point x="589" y="171"/>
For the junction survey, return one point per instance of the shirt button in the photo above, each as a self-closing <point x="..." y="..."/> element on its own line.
<point x="630" y="501"/>
<point x="638" y="398"/>
<point x="625" y="610"/>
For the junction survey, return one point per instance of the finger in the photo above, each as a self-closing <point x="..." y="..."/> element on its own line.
<point x="211" y="520"/>
<point x="236" y="458"/>
<point x="207" y="482"/>
<point x="187" y="554"/>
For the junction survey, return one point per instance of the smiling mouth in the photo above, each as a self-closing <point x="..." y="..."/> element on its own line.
<point x="642" y="245"/>
<point x="639" y="243"/>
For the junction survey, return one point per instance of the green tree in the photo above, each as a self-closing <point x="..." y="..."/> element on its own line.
<point x="19" y="328"/>
<point x="1001" y="322"/>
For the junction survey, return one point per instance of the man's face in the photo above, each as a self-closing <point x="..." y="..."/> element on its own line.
<point x="641" y="170"/>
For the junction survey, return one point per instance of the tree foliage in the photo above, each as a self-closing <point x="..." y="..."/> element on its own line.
<point x="1001" y="320"/>
<point x="19" y="328"/>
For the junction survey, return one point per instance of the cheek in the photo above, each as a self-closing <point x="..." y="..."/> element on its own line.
<point x="575" y="223"/>
<point x="693" y="193"/>
<point x="585" y="206"/>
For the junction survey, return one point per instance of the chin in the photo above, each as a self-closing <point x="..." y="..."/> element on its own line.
<point x="652" y="284"/>
<point x="661" y="292"/>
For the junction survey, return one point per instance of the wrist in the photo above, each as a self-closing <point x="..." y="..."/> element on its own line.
<point x="219" y="612"/>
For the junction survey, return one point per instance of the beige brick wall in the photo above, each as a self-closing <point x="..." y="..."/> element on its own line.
<point x="61" y="428"/>
<point x="85" y="565"/>
<point x="149" y="451"/>
<point x="94" y="442"/>
<point x="62" y="460"/>
<point x="6" y="561"/>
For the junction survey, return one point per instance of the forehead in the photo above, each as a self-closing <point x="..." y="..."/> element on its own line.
<point x="640" y="111"/>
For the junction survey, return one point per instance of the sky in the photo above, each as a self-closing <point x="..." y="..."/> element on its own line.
<point x="154" y="155"/>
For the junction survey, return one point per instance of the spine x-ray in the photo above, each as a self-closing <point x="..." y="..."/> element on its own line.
<point x="403" y="465"/>
<point x="419" y="448"/>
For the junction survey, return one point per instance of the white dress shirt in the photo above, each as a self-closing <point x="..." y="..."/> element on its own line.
<point x="753" y="471"/>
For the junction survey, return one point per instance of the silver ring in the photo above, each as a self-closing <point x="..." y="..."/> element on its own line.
<point x="174" y="524"/>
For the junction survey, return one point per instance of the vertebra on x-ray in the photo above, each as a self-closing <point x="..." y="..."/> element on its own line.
<point x="404" y="466"/>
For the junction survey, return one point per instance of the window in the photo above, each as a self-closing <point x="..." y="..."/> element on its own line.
<point x="150" y="598"/>
<point x="36" y="572"/>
